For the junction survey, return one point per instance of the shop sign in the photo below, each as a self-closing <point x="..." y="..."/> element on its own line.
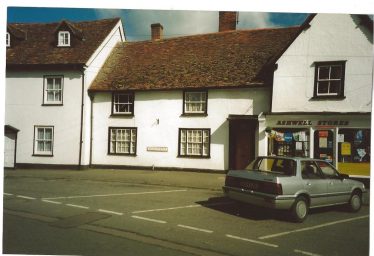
<point x="310" y="123"/>
<point x="346" y="149"/>
<point x="288" y="136"/>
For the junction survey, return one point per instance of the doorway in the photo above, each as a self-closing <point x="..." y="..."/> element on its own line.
<point x="242" y="141"/>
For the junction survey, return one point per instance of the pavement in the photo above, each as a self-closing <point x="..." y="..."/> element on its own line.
<point x="198" y="180"/>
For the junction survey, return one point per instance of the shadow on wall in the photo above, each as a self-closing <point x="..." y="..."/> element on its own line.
<point x="221" y="137"/>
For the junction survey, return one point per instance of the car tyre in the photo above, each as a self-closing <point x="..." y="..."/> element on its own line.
<point x="300" y="209"/>
<point x="355" y="202"/>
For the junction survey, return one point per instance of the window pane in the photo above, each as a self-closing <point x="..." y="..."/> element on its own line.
<point x="48" y="134"/>
<point x="323" y="87"/>
<point x="334" y="87"/>
<point x="49" y="83"/>
<point x="40" y="146"/>
<point x="48" y="146"/>
<point x="40" y="134"/>
<point x="323" y="72"/>
<point x="57" y="83"/>
<point x="336" y="72"/>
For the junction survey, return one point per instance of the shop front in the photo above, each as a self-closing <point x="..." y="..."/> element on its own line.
<point x="340" y="138"/>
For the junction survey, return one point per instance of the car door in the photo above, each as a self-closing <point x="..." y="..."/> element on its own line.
<point x="314" y="183"/>
<point x="338" y="189"/>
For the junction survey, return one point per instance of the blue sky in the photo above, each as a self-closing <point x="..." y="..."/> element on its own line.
<point x="137" y="22"/>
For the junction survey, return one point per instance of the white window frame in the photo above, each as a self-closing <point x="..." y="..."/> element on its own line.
<point x="54" y="90"/>
<point x="191" y="106"/>
<point x="63" y="38"/>
<point x="7" y="39"/>
<point x="127" y="104"/>
<point x="318" y="80"/>
<point x="122" y="140"/>
<point x="44" y="140"/>
<point x="194" y="142"/>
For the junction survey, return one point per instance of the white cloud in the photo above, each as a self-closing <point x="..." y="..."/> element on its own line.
<point x="254" y="20"/>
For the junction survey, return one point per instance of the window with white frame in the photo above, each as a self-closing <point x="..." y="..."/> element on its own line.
<point x="63" y="38"/>
<point x="195" y="102"/>
<point x="43" y="140"/>
<point x="7" y="39"/>
<point x="194" y="142"/>
<point x="53" y="89"/>
<point x="122" y="140"/>
<point x="123" y="103"/>
<point x="329" y="79"/>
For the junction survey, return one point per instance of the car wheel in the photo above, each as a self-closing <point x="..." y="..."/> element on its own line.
<point x="299" y="210"/>
<point x="355" y="202"/>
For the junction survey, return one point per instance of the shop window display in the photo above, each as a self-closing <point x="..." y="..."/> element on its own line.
<point x="354" y="145"/>
<point x="289" y="142"/>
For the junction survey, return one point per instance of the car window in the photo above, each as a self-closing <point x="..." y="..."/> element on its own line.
<point x="327" y="170"/>
<point x="309" y="170"/>
<point x="281" y="166"/>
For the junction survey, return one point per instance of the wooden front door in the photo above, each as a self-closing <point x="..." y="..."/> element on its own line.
<point x="242" y="143"/>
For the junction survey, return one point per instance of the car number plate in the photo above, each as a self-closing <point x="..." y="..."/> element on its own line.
<point x="249" y="185"/>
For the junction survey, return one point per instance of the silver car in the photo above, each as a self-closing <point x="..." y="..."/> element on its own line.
<point x="294" y="184"/>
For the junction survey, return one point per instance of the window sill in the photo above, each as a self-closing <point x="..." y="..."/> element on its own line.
<point x="327" y="98"/>
<point x="121" y="154"/>
<point x="194" y="115"/>
<point x="122" y="115"/>
<point x="42" y="155"/>
<point x="52" y="105"/>
<point x="195" y="157"/>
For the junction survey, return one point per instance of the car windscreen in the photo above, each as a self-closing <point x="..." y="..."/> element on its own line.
<point x="275" y="165"/>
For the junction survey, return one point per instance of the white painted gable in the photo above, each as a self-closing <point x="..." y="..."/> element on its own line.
<point x="331" y="37"/>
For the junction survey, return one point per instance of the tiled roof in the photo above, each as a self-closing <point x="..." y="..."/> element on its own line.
<point x="223" y="59"/>
<point x="39" y="44"/>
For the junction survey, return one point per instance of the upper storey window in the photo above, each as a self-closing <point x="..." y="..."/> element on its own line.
<point x="7" y="39"/>
<point x="195" y="102"/>
<point x="63" y="38"/>
<point x="329" y="79"/>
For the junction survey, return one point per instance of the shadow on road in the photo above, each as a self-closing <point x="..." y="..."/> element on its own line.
<point x="247" y="211"/>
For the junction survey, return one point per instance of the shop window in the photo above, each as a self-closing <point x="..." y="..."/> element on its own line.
<point x="354" y="145"/>
<point x="324" y="145"/>
<point x="289" y="142"/>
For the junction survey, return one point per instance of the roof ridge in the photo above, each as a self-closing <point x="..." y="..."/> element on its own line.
<point x="214" y="33"/>
<point x="58" y="22"/>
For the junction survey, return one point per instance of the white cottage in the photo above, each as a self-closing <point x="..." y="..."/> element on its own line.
<point x="49" y="68"/>
<point x="322" y="93"/>
<point x="189" y="102"/>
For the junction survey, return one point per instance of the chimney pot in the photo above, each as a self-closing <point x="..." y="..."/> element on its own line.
<point x="227" y="21"/>
<point x="157" y="31"/>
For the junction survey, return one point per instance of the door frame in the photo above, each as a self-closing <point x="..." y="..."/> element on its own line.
<point x="234" y="120"/>
<point x="11" y="130"/>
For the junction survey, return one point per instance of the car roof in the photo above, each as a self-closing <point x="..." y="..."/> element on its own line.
<point x="292" y="158"/>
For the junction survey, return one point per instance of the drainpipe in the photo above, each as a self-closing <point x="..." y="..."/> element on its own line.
<point x="92" y="97"/>
<point x="81" y="128"/>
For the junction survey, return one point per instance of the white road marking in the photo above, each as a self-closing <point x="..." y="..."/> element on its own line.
<point x="306" y="253"/>
<point x="8" y="194"/>
<point x="167" y="209"/>
<point x="148" y="219"/>
<point x="26" y="197"/>
<point x="181" y="207"/>
<point x="121" y="194"/>
<point x="196" y="229"/>
<point x="51" y="202"/>
<point x="110" y="212"/>
<point x="78" y="206"/>
<point x="252" y="241"/>
<point x="313" y="227"/>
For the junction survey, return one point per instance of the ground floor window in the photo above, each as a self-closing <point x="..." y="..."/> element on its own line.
<point x="43" y="140"/>
<point x="289" y="142"/>
<point x="194" y="142"/>
<point x="354" y="145"/>
<point x="122" y="140"/>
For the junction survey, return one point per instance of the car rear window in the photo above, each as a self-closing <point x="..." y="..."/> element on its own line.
<point x="274" y="165"/>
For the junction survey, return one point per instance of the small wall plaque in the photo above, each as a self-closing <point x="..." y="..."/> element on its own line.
<point x="157" y="149"/>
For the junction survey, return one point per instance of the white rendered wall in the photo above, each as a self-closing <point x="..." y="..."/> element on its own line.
<point x="331" y="37"/>
<point x="94" y="65"/>
<point x="166" y="106"/>
<point x="24" y="110"/>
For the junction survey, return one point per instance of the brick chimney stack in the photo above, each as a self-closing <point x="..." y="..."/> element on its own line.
<point x="157" y="31"/>
<point x="227" y="21"/>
